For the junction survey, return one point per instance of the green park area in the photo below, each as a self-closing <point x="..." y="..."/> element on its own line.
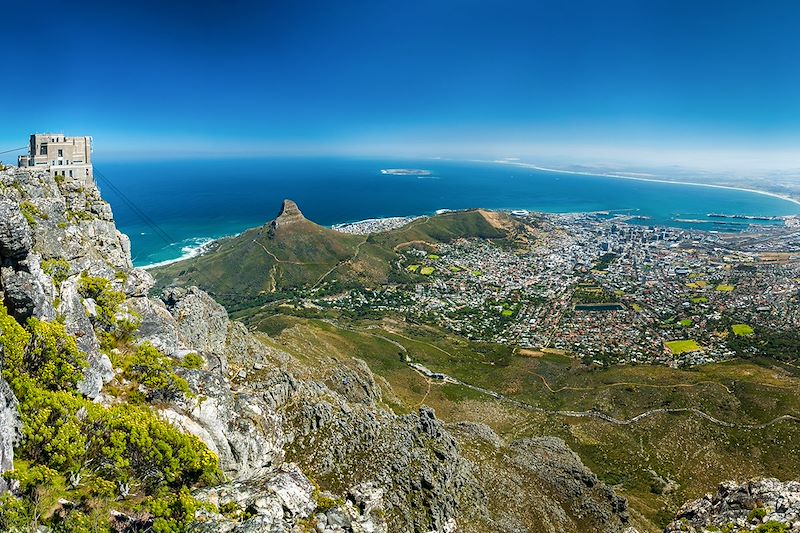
<point x="742" y="330"/>
<point x="682" y="346"/>
<point x="412" y="268"/>
<point x="433" y="257"/>
<point x="722" y="287"/>
<point x="426" y="271"/>
<point x="699" y="300"/>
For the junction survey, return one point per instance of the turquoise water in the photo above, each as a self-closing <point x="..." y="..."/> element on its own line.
<point x="192" y="202"/>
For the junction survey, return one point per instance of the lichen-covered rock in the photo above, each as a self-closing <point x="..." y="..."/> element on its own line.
<point x="274" y="502"/>
<point x="15" y="234"/>
<point x="551" y="459"/>
<point x="9" y="429"/>
<point x="26" y="289"/>
<point x="412" y="458"/>
<point x="354" y="382"/>
<point x="742" y="507"/>
<point x="203" y="325"/>
<point x="537" y="485"/>
<point x="45" y="221"/>
<point x="240" y="428"/>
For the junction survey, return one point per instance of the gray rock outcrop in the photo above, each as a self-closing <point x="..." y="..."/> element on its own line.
<point x="9" y="429"/>
<point x="742" y="507"/>
<point x="539" y="484"/>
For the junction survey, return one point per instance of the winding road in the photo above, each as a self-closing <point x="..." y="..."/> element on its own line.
<point x="616" y="421"/>
<point x="444" y="378"/>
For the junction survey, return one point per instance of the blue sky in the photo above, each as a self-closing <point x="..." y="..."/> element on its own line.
<point x="604" y="80"/>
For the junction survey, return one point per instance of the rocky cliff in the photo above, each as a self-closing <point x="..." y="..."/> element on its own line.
<point x="764" y="505"/>
<point x="288" y="214"/>
<point x="297" y="453"/>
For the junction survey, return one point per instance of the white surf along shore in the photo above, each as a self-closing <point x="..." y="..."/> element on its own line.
<point x="198" y="246"/>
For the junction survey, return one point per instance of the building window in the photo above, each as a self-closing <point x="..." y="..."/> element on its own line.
<point x="43" y="149"/>
<point x="70" y="173"/>
<point x="61" y="153"/>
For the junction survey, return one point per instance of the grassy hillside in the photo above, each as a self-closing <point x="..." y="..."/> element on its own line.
<point x="292" y="253"/>
<point x="658" y="462"/>
<point x="441" y="228"/>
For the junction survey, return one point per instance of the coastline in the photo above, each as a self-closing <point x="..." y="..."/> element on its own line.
<point x="188" y="251"/>
<point x="634" y="178"/>
<point x="195" y="246"/>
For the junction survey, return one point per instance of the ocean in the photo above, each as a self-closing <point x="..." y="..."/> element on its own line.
<point x="169" y="209"/>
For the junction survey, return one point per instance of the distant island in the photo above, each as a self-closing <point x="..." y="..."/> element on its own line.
<point x="405" y="172"/>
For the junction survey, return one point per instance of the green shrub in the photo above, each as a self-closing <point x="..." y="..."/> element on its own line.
<point x="325" y="504"/>
<point x="77" y="216"/>
<point x="229" y="509"/>
<point x="13" y="341"/>
<point x="124" y="451"/>
<point x="107" y="299"/>
<point x="31" y="478"/>
<point x="192" y="361"/>
<point x="757" y="514"/>
<point x="52" y="358"/>
<point x="156" y="373"/>
<point x="31" y="213"/>
<point x="16" y="514"/>
<point x="57" y="269"/>
<point x="52" y="433"/>
<point x="121" y="334"/>
<point x="122" y="444"/>
<point x="173" y="512"/>
<point x="771" y="527"/>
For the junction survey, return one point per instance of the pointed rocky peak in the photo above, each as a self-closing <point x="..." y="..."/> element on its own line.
<point x="289" y="214"/>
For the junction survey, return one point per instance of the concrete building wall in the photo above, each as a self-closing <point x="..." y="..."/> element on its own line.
<point x="60" y="155"/>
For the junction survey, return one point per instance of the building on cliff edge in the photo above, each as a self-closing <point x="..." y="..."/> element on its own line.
<point x="59" y="155"/>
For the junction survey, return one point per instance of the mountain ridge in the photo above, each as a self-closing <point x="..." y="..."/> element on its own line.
<point x="290" y="253"/>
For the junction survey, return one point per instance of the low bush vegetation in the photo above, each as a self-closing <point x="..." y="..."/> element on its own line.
<point x="107" y="299"/>
<point x="124" y="457"/>
<point x="192" y="361"/>
<point x="57" y="269"/>
<point x="155" y="372"/>
<point x="31" y="213"/>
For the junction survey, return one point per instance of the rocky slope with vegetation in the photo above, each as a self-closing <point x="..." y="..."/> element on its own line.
<point x="760" y="505"/>
<point x="126" y="412"/>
